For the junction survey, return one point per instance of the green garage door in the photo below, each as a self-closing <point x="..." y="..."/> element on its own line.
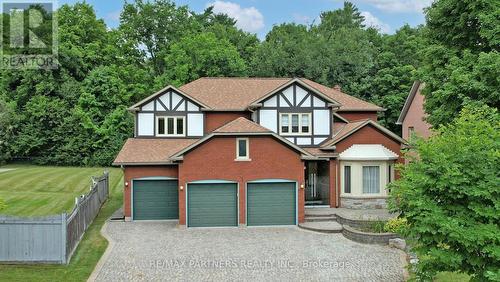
<point x="212" y="205"/>
<point x="271" y="203"/>
<point x="155" y="199"/>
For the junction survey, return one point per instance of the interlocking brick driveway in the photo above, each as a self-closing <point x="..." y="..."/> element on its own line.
<point x="158" y="251"/>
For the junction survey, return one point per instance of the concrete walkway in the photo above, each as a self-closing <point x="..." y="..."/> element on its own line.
<point x="159" y="251"/>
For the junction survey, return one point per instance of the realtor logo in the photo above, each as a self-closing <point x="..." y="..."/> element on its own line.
<point x="28" y="35"/>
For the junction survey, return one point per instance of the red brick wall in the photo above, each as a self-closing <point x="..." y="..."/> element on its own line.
<point x="415" y="118"/>
<point x="215" y="160"/>
<point x="352" y="116"/>
<point x="214" y="120"/>
<point x="133" y="172"/>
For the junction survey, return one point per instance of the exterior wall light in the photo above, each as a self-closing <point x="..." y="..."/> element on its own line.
<point x="126" y="183"/>
<point x="181" y="187"/>
<point x="301" y="186"/>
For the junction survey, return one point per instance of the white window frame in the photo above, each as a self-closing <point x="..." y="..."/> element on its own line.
<point x="378" y="182"/>
<point x="183" y="118"/>
<point x="290" y="133"/>
<point x="242" y="158"/>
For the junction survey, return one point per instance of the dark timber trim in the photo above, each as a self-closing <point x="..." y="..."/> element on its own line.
<point x="296" y="107"/>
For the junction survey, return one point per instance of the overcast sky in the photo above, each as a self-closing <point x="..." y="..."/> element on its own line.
<point x="259" y="16"/>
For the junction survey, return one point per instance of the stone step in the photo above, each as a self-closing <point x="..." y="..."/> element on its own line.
<point x="319" y="214"/>
<point x="322" y="226"/>
<point x="314" y="218"/>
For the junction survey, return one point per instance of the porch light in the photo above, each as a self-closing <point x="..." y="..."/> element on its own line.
<point x="181" y="187"/>
<point x="126" y="183"/>
<point x="301" y="186"/>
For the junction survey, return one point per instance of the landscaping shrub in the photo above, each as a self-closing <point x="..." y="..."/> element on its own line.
<point x="396" y="225"/>
<point x="450" y="197"/>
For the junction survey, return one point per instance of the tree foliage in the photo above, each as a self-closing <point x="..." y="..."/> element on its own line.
<point x="450" y="198"/>
<point x="202" y="55"/>
<point x="461" y="63"/>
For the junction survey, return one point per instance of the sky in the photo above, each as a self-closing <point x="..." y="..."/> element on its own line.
<point x="259" y="16"/>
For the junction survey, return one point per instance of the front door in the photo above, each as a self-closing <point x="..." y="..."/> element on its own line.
<point x="317" y="183"/>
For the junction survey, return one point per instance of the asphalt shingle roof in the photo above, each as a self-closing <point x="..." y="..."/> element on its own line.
<point x="150" y="151"/>
<point x="241" y="125"/>
<point x="233" y="93"/>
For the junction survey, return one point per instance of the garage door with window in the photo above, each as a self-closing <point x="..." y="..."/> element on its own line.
<point x="155" y="199"/>
<point x="272" y="203"/>
<point x="212" y="204"/>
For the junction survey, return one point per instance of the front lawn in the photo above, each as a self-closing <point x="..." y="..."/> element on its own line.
<point x="43" y="190"/>
<point x="90" y="248"/>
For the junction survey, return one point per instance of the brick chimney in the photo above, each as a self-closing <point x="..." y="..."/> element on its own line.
<point x="337" y="87"/>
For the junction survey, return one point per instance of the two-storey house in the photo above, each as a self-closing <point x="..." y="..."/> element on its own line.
<point x="254" y="151"/>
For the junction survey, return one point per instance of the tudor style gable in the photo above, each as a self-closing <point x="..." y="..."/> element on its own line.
<point x="298" y="114"/>
<point x="168" y="114"/>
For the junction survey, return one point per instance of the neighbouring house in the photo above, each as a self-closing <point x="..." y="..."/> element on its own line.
<point x="412" y="117"/>
<point x="254" y="151"/>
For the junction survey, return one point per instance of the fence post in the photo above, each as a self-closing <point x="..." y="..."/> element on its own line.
<point x="64" y="238"/>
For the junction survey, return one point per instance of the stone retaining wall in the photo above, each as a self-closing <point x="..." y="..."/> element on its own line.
<point x="367" y="238"/>
<point x="363" y="203"/>
<point x="356" y="223"/>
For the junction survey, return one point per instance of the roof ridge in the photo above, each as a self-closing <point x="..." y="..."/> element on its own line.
<point x="241" y="119"/>
<point x="358" y="120"/>
<point x="244" y="77"/>
<point x="339" y="92"/>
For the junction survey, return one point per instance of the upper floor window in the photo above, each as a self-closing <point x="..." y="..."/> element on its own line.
<point x="411" y="133"/>
<point x="295" y="124"/>
<point x="170" y="126"/>
<point x="242" y="149"/>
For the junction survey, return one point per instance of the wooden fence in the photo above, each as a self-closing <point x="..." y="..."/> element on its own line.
<point x="51" y="239"/>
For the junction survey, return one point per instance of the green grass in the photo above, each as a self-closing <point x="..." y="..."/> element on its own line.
<point x="89" y="250"/>
<point x="42" y="190"/>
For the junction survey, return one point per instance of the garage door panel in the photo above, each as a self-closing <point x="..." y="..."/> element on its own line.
<point x="155" y="199"/>
<point x="212" y="205"/>
<point x="271" y="203"/>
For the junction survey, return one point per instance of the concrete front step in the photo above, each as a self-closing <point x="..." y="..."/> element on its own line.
<point x="319" y="214"/>
<point x="314" y="218"/>
<point x="322" y="226"/>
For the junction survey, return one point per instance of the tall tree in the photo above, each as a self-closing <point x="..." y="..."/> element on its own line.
<point x="44" y="107"/>
<point x="284" y="53"/>
<point x="347" y="17"/>
<point x="153" y="26"/>
<point x="202" y="55"/>
<point x="462" y="62"/>
<point x="397" y="60"/>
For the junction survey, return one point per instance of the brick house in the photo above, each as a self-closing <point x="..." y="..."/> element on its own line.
<point x="254" y="151"/>
<point x="412" y="116"/>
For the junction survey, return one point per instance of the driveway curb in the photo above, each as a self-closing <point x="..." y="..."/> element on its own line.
<point x="104" y="258"/>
